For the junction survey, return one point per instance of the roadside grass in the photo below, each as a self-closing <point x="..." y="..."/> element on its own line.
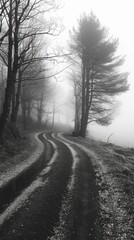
<point x="119" y="161"/>
<point x="115" y="178"/>
<point x="14" y="152"/>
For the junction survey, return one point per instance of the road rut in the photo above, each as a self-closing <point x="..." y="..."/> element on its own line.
<point x="64" y="206"/>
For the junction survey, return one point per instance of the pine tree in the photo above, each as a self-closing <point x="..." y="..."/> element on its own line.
<point x="101" y="76"/>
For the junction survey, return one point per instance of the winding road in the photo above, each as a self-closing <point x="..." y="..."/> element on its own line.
<point x="60" y="203"/>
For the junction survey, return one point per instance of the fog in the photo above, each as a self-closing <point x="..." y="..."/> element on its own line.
<point x="118" y="17"/>
<point x="122" y="127"/>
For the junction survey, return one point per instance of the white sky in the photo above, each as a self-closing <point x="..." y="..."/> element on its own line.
<point x="118" y="16"/>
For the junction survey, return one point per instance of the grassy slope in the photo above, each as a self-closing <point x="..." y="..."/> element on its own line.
<point x="15" y="152"/>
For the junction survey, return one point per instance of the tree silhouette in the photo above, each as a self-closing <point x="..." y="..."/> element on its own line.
<point x="101" y="76"/>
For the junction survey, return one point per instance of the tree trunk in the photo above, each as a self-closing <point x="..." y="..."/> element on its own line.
<point x="83" y="127"/>
<point x="87" y="96"/>
<point x="10" y="80"/>
<point x="6" y="109"/>
<point x="39" y="118"/>
<point x="28" y="111"/>
<point x="77" y="119"/>
<point x="13" y="106"/>
<point x="24" y="115"/>
<point x="15" y="109"/>
<point x="12" y="67"/>
<point x="40" y="109"/>
<point x="53" y="119"/>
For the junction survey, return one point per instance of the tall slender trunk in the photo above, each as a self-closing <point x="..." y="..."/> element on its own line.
<point x="24" y="115"/>
<point x="77" y="110"/>
<point x="77" y="118"/>
<point x="82" y="129"/>
<point x="40" y="111"/>
<point x="15" y="109"/>
<point x="87" y="97"/>
<point x="15" y="67"/>
<point x="10" y="82"/>
<point x="28" y="111"/>
<point x="86" y="104"/>
<point x="53" y="116"/>
<point x="13" y="104"/>
<point x="39" y="118"/>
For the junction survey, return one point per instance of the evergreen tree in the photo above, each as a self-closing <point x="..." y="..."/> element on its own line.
<point x="101" y="76"/>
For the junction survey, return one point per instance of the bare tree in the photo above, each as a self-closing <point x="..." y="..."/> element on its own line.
<point x="34" y="88"/>
<point x="2" y="84"/>
<point x="75" y="77"/>
<point x="101" y="77"/>
<point x="20" y="22"/>
<point x="28" y="52"/>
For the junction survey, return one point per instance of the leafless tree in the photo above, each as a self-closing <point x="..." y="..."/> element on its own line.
<point x="33" y="92"/>
<point x="21" y="21"/>
<point x="2" y="84"/>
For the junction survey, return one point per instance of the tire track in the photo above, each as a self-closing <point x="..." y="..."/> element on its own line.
<point x="38" y="216"/>
<point x="79" y="216"/>
<point x="27" y="188"/>
<point x="64" y="205"/>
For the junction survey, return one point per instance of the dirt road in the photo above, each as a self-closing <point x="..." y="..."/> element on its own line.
<point x="63" y="203"/>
